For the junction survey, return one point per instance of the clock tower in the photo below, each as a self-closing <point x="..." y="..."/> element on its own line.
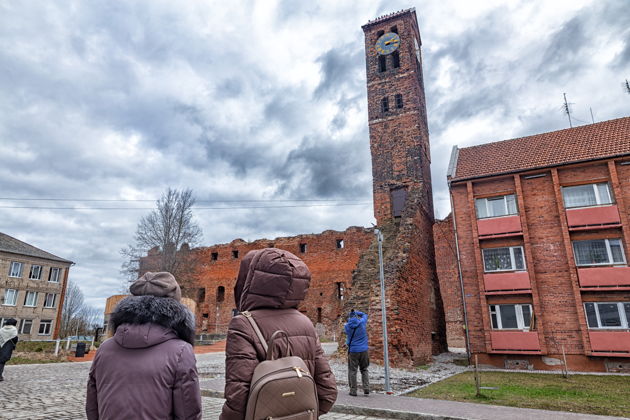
<point x="399" y="135"/>
<point x="403" y="202"/>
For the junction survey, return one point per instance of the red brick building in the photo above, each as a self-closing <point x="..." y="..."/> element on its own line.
<point x="543" y="237"/>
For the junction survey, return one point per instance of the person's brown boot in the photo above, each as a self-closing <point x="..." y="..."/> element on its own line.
<point x="353" y="393"/>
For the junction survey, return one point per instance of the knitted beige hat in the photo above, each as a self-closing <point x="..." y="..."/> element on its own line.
<point x="161" y="284"/>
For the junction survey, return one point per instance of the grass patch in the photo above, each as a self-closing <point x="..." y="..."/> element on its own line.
<point x="604" y="395"/>
<point x="36" y="346"/>
<point x="20" y="360"/>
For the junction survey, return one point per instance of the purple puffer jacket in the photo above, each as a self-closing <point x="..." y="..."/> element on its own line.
<point x="146" y="371"/>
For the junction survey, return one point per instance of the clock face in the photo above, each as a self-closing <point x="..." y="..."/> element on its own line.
<point x="387" y="43"/>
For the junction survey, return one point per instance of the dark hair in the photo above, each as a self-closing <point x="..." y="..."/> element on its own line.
<point x="10" y="321"/>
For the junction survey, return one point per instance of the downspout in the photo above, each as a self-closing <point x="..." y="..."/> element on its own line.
<point x="459" y="271"/>
<point x="451" y="172"/>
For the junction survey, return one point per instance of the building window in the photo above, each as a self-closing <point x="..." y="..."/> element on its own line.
<point x="380" y="34"/>
<point x="598" y="252"/>
<point x="25" y="326"/>
<point x="201" y="295"/>
<point x="382" y="63"/>
<point x="395" y="59"/>
<point x="10" y="297"/>
<point x="36" y="272"/>
<point x="50" y="300"/>
<point x="340" y="244"/>
<point x="504" y="205"/>
<point x="394" y="29"/>
<point x="45" y="326"/>
<point x="608" y="314"/>
<point x="53" y="276"/>
<point x="340" y="290"/>
<point x="303" y="248"/>
<point x="399" y="199"/>
<point x="399" y="101"/>
<point x="319" y="315"/>
<point x="30" y="299"/>
<point x="16" y="269"/>
<point x="235" y="254"/>
<point x="503" y="259"/>
<point x="220" y="294"/>
<point x="587" y="195"/>
<point x="385" y="105"/>
<point x="511" y="317"/>
<point x="214" y="256"/>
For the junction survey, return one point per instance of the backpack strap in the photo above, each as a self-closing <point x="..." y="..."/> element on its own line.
<point x="261" y="337"/>
<point x="351" y="337"/>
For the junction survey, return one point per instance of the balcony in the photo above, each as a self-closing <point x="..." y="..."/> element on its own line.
<point x="609" y="277"/>
<point x="516" y="280"/>
<point x="610" y="343"/>
<point x="499" y="226"/>
<point x="515" y="341"/>
<point x="593" y="216"/>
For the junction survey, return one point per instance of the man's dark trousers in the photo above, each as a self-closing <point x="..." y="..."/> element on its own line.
<point x="362" y="361"/>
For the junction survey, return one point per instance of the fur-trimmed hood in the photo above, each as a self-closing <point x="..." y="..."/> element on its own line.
<point x="165" y="312"/>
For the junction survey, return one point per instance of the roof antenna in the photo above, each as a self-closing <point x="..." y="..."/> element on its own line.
<point x="567" y="110"/>
<point x="592" y="119"/>
<point x="627" y="86"/>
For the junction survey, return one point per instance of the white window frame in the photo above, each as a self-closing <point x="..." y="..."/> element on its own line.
<point x="57" y="272"/>
<point x="39" y="270"/>
<point x="608" y="252"/>
<point x="598" y="199"/>
<point x="625" y="322"/>
<point x="15" y="296"/>
<point x="23" y="323"/>
<point x="30" y="293"/>
<point x="520" y="320"/>
<point x="54" y="300"/>
<point x="512" y="259"/>
<point x="11" y="271"/>
<point x="45" y="323"/>
<point x="505" y="206"/>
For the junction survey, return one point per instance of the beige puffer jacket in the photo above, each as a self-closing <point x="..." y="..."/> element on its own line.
<point x="271" y="283"/>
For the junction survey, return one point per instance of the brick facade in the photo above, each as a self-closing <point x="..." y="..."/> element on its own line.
<point x="553" y="284"/>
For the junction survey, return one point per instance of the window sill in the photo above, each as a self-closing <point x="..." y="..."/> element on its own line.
<point x="30" y="306"/>
<point x="590" y="206"/>
<point x="8" y="304"/>
<point x="497" y="217"/>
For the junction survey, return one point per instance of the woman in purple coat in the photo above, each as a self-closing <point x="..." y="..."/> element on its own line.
<point x="147" y="370"/>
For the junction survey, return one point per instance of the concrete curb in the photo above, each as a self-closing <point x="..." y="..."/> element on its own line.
<point x="388" y="414"/>
<point x="361" y="411"/>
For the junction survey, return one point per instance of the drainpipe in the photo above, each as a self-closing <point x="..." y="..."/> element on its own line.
<point x="459" y="271"/>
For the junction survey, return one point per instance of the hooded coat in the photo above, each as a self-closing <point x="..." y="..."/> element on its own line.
<point x="271" y="283"/>
<point x="147" y="370"/>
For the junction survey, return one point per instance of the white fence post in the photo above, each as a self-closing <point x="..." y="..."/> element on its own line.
<point x="57" y="347"/>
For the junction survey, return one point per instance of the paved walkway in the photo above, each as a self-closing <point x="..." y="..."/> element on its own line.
<point x="57" y="391"/>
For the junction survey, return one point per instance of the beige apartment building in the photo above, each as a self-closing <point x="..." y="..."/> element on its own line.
<point x="32" y="287"/>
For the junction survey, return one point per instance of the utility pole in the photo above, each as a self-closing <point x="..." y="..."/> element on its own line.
<point x="567" y="110"/>
<point x="379" y="236"/>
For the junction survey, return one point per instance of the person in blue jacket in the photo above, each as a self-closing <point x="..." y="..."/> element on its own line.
<point x="357" y="342"/>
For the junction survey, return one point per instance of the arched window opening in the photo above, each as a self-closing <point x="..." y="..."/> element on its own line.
<point x="319" y="315"/>
<point x="382" y="63"/>
<point x="396" y="59"/>
<point x="385" y="105"/>
<point x="220" y="294"/>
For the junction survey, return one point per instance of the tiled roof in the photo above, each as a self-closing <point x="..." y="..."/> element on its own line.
<point x="588" y="142"/>
<point x="15" y="246"/>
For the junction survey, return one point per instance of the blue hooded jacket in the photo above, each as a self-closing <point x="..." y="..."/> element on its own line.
<point x="357" y="326"/>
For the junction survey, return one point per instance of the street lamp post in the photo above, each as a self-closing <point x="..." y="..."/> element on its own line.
<point x="379" y="236"/>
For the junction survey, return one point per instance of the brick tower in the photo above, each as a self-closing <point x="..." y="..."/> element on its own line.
<point x="399" y="135"/>
<point x="399" y="142"/>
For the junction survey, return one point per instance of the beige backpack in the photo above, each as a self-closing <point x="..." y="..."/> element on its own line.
<point x="283" y="388"/>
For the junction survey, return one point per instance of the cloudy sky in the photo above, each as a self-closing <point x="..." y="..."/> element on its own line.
<point x="262" y="101"/>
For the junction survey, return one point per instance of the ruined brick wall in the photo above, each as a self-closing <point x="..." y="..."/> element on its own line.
<point x="450" y="288"/>
<point x="331" y="263"/>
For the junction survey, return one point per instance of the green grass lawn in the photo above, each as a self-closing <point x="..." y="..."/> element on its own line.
<point x="606" y="395"/>
<point x="20" y="360"/>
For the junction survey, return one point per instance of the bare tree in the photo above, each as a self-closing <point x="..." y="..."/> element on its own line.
<point x="76" y="316"/>
<point x="169" y="229"/>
